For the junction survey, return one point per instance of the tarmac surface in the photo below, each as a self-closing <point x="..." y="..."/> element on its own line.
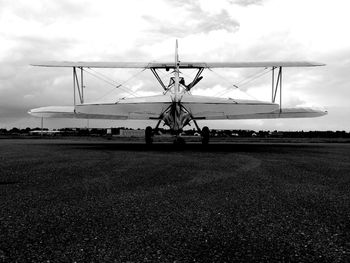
<point x="93" y="200"/>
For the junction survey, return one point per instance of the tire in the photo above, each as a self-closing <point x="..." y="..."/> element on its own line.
<point x="148" y="135"/>
<point x="205" y="135"/>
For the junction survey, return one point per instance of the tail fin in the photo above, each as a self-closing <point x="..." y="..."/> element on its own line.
<point x="176" y="72"/>
<point x="176" y="53"/>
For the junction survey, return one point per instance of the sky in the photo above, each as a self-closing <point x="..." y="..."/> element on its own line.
<point x="136" y="30"/>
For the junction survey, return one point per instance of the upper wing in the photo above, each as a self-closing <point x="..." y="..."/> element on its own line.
<point x="171" y="65"/>
<point x="85" y="64"/>
<point x="262" y="64"/>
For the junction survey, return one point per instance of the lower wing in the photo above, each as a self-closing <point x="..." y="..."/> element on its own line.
<point x="149" y="111"/>
<point x="276" y="114"/>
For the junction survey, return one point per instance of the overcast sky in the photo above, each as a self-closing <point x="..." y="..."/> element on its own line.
<point x="136" y="30"/>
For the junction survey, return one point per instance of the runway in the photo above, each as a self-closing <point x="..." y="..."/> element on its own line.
<point x="113" y="201"/>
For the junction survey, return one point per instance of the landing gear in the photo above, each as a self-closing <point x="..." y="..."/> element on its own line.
<point x="205" y="135"/>
<point x="178" y="140"/>
<point x="149" y="135"/>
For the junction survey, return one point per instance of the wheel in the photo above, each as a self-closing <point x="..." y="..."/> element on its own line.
<point x="148" y="135"/>
<point x="205" y="135"/>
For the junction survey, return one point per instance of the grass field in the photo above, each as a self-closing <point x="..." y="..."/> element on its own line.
<point x="106" y="201"/>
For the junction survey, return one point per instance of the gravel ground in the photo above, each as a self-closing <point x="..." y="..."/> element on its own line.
<point x="98" y="201"/>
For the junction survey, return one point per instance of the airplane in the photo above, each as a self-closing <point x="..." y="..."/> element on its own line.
<point x="177" y="107"/>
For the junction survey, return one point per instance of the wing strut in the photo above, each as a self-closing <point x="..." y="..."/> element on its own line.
<point x="79" y="86"/>
<point x="278" y="85"/>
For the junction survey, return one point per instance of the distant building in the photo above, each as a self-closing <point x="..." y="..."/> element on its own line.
<point x="132" y="133"/>
<point x="44" y="132"/>
<point x="277" y="134"/>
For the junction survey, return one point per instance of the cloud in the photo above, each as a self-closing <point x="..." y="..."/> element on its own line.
<point x="191" y="19"/>
<point x="246" y="2"/>
<point x="220" y="30"/>
<point x="48" y="12"/>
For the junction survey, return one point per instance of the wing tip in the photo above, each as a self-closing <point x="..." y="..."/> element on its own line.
<point x="316" y="64"/>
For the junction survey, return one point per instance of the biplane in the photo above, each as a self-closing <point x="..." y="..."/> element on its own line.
<point x="177" y="107"/>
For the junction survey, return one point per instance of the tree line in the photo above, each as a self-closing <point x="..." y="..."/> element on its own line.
<point x="214" y="132"/>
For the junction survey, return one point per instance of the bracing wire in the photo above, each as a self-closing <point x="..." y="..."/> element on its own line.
<point x="244" y="81"/>
<point x="222" y="77"/>
<point x="253" y="77"/>
<point x="122" y="83"/>
<point x="235" y="85"/>
<point x="189" y="75"/>
<point x="164" y="75"/>
<point x="112" y="82"/>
